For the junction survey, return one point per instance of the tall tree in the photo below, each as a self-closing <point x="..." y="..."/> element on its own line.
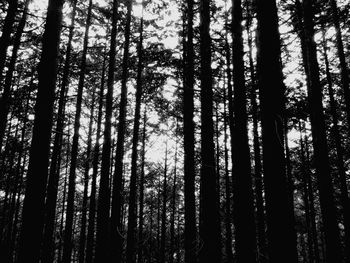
<point x="173" y="202"/>
<point x="5" y="98"/>
<point x="318" y="129"/>
<point x="102" y="253"/>
<point x="131" y="234"/>
<point x="345" y="201"/>
<point x="6" y="34"/>
<point x="258" y="179"/>
<point x="189" y="141"/>
<point x="342" y="61"/>
<point x="33" y="206"/>
<point x="228" y="229"/>
<point x="119" y="156"/>
<point x="209" y="210"/>
<point x="279" y="223"/>
<point x="243" y="193"/>
<point x="140" y="254"/>
<point x="67" y="249"/>
<point x="95" y="162"/>
<point x="82" y="237"/>
<point x="52" y="185"/>
<point x="164" y="206"/>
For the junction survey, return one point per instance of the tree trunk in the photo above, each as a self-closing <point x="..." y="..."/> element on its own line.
<point x="119" y="156"/>
<point x="6" y="34"/>
<point x="67" y="248"/>
<point x="63" y="211"/>
<point x="102" y="253"/>
<point x="95" y="161"/>
<point x="343" y="70"/>
<point x="173" y="203"/>
<point x="312" y="203"/>
<point x="52" y="186"/>
<point x="258" y="180"/>
<point x="164" y="203"/>
<point x="142" y="186"/>
<point x="279" y="223"/>
<point x="5" y="99"/>
<point x="228" y="229"/>
<point x="132" y="217"/>
<point x="330" y="225"/>
<point x="209" y="214"/>
<point x="33" y="207"/>
<point x="189" y="140"/>
<point x="82" y="238"/>
<point x="245" y="240"/>
<point x="303" y="171"/>
<point x="345" y="201"/>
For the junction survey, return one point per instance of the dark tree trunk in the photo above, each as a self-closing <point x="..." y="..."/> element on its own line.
<point x="343" y="69"/>
<point x="209" y="214"/>
<point x="164" y="203"/>
<point x="67" y="247"/>
<point x="63" y="211"/>
<point x="228" y="229"/>
<point x="5" y="99"/>
<point x="119" y="156"/>
<point x="132" y="215"/>
<point x="245" y="241"/>
<point x="306" y="202"/>
<point x="279" y="223"/>
<point x="158" y="218"/>
<point x="6" y="34"/>
<point x="33" y="207"/>
<point x="217" y="154"/>
<point x="258" y="180"/>
<point x="22" y="156"/>
<point x="345" y="201"/>
<point x="82" y="238"/>
<point x="140" y="258"/>
<point x="95" y="162"/>
<point x="173" y="204"/>
<point x="290" y="179"/>
<point x="189" y="140"/>
<point x="52" y="186"/>
<point x="102" y="241"/>
<point x="330" y="225"/>
<point x="312" y="203"/>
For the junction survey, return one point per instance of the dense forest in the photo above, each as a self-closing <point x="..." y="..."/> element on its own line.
<point x="203" y="131"/>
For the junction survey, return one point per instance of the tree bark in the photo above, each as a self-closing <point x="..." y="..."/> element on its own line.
<point x="102" y="253"/>
<point x="6" y="34"/>
<point x="5" y="99"/>
<point x="189" y="140"/>
<point x="344" y="73"/>
<point x="140" y="253"/>
<point x="52" y="186"/>
<point x="132" y="215"/>
<point x="95" y="162"/>
<point x="33" y="207"/>
<point x="344" y="197"/>
<point x="228" y="229"/>
<point x="209" y="214"/>
<point x="173" y="203"/>
<point x="258" y="180"/>
<point x="318" y="129"/>
<point x="279" y="223"/>
<point x="119" y="156"/>
<point x="164" y="206"/>
<point x="67" y="247"/>
<point x="82" y="237"/>
<point x="245" y="240"/>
